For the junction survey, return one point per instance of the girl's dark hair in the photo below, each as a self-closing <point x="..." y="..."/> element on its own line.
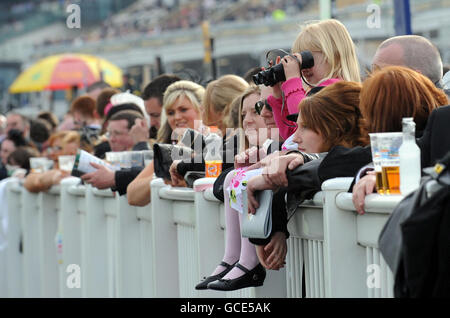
<point x="21" y="156"/>
<point x="17" y="138"/>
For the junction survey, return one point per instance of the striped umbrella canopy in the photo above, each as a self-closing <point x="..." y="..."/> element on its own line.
<point x="63" y="71"/>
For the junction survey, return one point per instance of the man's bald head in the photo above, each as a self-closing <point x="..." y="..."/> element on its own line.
<point x="412" y="51"/>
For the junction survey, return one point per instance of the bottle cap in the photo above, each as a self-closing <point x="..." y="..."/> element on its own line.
<point x="213" y="129"/>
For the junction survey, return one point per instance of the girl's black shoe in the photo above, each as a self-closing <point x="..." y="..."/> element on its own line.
<point x="206" y="280"/>
<point x="251" y="278"/>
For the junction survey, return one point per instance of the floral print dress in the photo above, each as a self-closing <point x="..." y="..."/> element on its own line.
<point x="241" y="176"/>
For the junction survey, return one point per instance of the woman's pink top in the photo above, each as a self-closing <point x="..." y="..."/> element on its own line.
<point x="294" y="93"/>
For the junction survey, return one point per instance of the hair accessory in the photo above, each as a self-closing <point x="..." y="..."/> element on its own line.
<point x="107" y="108"/>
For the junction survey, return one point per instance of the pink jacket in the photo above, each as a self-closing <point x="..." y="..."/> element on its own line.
<point x="294" y="94"/>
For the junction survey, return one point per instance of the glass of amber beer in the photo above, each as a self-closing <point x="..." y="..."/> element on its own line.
<point x="376" y="159"/>
<point x="388" y="146"/>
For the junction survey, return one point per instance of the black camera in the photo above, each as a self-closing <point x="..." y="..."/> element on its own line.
<point x="275" y="74"/>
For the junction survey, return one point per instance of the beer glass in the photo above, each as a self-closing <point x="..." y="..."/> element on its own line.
<point x="113" y="158"/>
<point x="137" y="159"/>
<point x="148" y="156"/>
<point x="388" y="145"/>
<point x="66" y="163"/>
<point x="40" y="164"/>
<point x="376" y="159"/>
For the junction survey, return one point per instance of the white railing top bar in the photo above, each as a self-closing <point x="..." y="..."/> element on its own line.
<point x="375" y="203"/>
<point x="316" y="202"/>
<point x="55" y="190"/>
<point x="177" y="194"/>
<point x="15" y="186"/>
<point x="103" y="193"/>
<point x="337" y="184"/>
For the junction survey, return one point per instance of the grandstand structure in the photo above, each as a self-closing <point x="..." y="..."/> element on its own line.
<point x="144" y="37"/>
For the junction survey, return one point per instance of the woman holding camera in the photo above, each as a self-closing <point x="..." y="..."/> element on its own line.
<point x="334" y="59"/>
<point x="182" y="105"/>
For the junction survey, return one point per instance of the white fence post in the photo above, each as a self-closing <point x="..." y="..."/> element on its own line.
<point x="210" y="234"/>
<point x="183" y="213"/>
<point x="14" y="261"/>
<point x="70" y="228"/>
<point x="344" y="275"/>
<point x="164" y="244"/>
<point x="48" y="206"/>
<point x="98" y="269"/>
<point x="129" y="275"/>
<point x="31" y="266"/>
<point x="378" y="279"/>
<point x="144" y="215"/>
<point x="305" y="257"/>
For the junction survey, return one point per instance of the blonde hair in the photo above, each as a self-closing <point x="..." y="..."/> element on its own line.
<point x="243" y="141"/>
<point x="221" y="92"/>
<point x="231" y="113"/>
<point x="331" y="38"/>
<point x="192" y="91"/>
<point x="164" y="133"/>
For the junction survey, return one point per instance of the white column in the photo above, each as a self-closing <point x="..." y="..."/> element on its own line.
<point x="14" y="261"/>
<point x="31" y="257"/>
<point x="69" y="227"/>
<point x="164" y="244"/>
<point x="344" y="275"/>
<point x="210" y="234"/>
<point x="49" y="204"/>
<point x="129" y="275"/>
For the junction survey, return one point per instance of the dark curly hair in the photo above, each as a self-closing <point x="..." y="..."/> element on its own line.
<point x="17" y="138"/>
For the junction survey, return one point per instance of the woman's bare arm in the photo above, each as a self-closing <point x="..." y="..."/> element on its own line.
<point x="138" y="191"/>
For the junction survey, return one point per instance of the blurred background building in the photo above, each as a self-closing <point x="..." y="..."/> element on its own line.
<point x="147" y="37"/>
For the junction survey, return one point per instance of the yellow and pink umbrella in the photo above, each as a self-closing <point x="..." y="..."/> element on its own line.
<point x="63" y="71"/>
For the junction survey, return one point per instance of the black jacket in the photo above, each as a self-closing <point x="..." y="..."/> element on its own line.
<point x="124" y="177"/>
<point x="306" y="180"/>
<point x="415" y="241"/>
<point x="435" y="141"/>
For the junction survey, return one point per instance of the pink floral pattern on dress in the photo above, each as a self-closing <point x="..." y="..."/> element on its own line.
<point x="239" y="174"/>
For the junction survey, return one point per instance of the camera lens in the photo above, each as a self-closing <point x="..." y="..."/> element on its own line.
<point x="275" y="74"/>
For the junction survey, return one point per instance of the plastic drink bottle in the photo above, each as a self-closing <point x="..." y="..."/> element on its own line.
<point x="213" y="157"/>
<point x="409" y="154"/>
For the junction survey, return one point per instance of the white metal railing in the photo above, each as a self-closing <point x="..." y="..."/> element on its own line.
<point x="304" y="260"/>
<point x="14" y="255"/>
<point x="352" y="243"/>
<point x="165" y="248"/>
<point x="30" y="238"/>
<point x="48" y="208"/>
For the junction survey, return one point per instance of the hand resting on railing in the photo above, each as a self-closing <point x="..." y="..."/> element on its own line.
<point x="365" y="186"/>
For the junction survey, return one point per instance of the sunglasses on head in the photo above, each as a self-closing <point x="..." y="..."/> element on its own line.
<point x="260" y="105"/>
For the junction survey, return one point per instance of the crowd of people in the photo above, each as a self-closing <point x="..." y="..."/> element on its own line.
<point x="176" y="15"/>
<point x="288" y="138"/>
